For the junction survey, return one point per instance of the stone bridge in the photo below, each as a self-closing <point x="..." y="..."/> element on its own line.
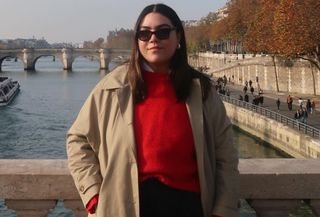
<point x="29" y="57"/>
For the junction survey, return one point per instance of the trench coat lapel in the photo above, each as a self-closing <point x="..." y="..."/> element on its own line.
<point x="195" y="111"/>
<point x="125" y="103"/>
<point x="126" y="108"/>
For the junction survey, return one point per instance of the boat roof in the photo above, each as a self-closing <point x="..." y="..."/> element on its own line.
<point x="5" y="82"/>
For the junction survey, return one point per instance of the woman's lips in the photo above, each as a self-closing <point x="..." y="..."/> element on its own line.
<point x="155" y="48"/>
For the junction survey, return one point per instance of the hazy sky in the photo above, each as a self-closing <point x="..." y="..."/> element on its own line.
<point x="79" y="20"/>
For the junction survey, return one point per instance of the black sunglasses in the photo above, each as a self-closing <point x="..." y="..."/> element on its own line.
<point x="161" y="34"/>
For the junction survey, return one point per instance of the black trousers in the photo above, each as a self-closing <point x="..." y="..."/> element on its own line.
<point x="160" y="200"/>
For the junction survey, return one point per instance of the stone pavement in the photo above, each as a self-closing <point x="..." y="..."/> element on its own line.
<point x="270" y="98"/>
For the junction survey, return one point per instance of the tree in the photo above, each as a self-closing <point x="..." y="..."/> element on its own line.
<point x="88" y="44"/>
<point x="297" y="31"/>
<point x="197" y="37"/>
<point x="260" y="37"/>
<point x="98" y="43"/>
<point x="241" y="15"/>
<point x="122" y="39"/>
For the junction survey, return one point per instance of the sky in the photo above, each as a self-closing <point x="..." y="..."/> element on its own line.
<point x="76" y="21"/>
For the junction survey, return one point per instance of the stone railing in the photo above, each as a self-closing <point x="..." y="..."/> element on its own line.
<point x="272" y="187"/>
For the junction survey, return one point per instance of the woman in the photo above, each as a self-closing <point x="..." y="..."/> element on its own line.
<point x="153" y="139"/>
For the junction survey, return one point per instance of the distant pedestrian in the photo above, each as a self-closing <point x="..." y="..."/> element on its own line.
<point x="278" y="104"/>
<point x="304" y="115"/>
<point x="251" y="90"/>
<point x="250" y="83"/>
<point x="260" y="91"/>
<point x="245" y="88"/>
<point x="289" y="102"/>
<point x="309" y="106"/>
<point x="300" y="102"/>
<point x="246" y="98"/>
<point x="313" y="106"/>
<point x="240" y="97"/>
<point x="261" y="99"/>
<point x="256" y="100"/>
<point x="297" y="115"/>
<point x="246" y="83"/>
<point x="225" y="79"/>
<point x="227" y="92"/>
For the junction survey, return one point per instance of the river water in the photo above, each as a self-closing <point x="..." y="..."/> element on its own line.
<point x="34" y="125"/>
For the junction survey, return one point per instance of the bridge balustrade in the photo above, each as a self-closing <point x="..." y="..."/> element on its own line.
<point x="294" y="124"/>
<point x="272" y="187"/>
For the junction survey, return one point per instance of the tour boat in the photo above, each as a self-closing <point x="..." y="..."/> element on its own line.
<point x="8" y="90"/>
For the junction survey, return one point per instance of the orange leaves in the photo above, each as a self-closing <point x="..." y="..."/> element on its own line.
<point x="293" y="19"/>
<point x="285" y="27"/>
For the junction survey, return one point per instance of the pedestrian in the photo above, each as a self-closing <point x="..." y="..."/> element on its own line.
<point x="250" y="83"/>
<point x="309" y="106"/>
<point x="261" y="99"/>
<point x="240" y="97"/>
<point x="297" y="115"/>
<point x="138" y="147"/>
<point x="245" y="89"/>
<point x="289" y="102"/>
<point x="246" y="98"/>
<point x="251" y="90"/>
<point x="227" y="92"/>
<point x="278" y="104"/>
<point x="300" y="103"/>
<point x="304" y="115"/>
<point x="313" y="106"/>
<point x="255" y="100"/>
<point x="225" y="79"/>
<point x="246" y="83"/>
<point x="260" y="92"/>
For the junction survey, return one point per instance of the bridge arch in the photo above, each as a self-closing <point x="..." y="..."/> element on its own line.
<point x="54" y="58"/>
<point x="2" y="59"/>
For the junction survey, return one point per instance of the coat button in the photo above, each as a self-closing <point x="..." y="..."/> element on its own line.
<point x="81" y="188"/>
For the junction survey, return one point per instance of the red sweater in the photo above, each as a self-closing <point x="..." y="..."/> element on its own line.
<point x="163" y="133"/>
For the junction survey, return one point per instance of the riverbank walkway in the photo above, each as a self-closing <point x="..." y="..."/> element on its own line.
<point x="270" y="98"/>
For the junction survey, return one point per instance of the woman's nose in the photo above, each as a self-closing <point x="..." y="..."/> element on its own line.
<point x="153" y="38"/>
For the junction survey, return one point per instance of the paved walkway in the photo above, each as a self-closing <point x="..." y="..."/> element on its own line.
<point x="270" y="98"/>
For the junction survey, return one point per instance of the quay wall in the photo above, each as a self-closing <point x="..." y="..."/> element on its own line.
<point x="293" y="76"/>
<point x="292" y="142"/>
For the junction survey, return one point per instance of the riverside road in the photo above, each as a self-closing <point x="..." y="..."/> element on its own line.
<point x="270" y="98"/>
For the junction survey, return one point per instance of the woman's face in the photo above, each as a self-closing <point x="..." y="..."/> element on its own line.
<point x="158" y="49"/>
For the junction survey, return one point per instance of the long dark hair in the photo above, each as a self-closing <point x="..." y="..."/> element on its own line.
<point x="181" y="72"/>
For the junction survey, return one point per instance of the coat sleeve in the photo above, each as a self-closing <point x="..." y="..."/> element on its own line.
<point x="225" y="158"/>
<point x="82" y="148"/>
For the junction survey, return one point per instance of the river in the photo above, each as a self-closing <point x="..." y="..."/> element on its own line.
<point x="34" y="125"/>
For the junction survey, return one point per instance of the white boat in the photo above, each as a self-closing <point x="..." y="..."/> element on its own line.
<point x="8" y="90"/>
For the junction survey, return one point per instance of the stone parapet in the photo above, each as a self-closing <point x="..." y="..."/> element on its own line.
<point x="273" y="187"/>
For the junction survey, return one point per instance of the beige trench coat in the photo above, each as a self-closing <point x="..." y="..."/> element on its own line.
<point x="102" y="152"/>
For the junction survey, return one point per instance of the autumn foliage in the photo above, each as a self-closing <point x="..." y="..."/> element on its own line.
<point x="297" y="31"/>
<point x="288" y="28"/>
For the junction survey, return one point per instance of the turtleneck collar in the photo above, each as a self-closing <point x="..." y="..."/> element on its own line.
<point x="147" y="68"/>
